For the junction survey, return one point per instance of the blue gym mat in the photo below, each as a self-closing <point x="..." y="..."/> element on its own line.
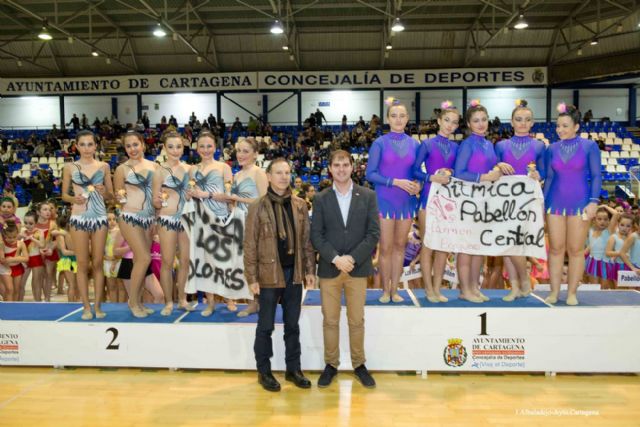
<point x="223" y="315"/>
<point x="598" y="298"/>
<point x="36" y="311"/>
<point x="120" y="313"/>
<point x="313" y="298"/>
<point x="495" y="301"/>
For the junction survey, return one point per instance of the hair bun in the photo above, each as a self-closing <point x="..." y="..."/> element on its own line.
<point x="447" y="105"/>
<point x="562" y="108"/>
<point x="474" y="103"/>
<point x="521" y="103"/>
<point x="390" y="101"/>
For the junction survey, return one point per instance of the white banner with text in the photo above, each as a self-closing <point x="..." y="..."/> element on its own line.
<point x="499" y="218"/>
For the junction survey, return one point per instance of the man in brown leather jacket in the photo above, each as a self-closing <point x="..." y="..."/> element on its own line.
<point x="278" y="258"/>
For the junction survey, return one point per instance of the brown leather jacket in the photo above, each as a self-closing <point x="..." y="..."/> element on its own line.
<point x="261" y="262"/>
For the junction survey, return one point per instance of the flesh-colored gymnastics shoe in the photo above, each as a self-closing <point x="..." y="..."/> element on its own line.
<point x="396" y="298"/>
<point x="86" y="315"/>
<point x="385" y="298"/>
<point x="572" y="300"/>
<point x="100" y="314"/>
<point x="208" y="311"/>
<point x="511" y="296"/>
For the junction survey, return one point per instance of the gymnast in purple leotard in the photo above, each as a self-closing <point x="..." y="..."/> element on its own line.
<point x="476" y="161"/>
<point x="438" y="156"/>
<point x="525" y="156"/>
<point x="571" y="196"/>
<point x="391" y="159"/>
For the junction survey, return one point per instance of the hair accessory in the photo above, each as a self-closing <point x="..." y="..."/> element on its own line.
<point x="518" y="102"/>
<point x="474" y="103"/>
<point x="446" y="105"/>
<point x="391" y="101"/>
<point x="562" y="108"/>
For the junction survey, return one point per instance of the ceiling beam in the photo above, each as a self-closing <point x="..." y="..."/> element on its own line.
<point x="167" y="25"/>
<point x="59" y="29"/>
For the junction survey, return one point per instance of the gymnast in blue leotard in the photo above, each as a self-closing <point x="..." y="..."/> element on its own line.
<point x="249" y="184"/>
<point x="571" y="195"/>
<point x="90" y="181"/>
<point x="171" y="194"/>
<point x="390" y="165"/>
<point x="437" y="156"/>
<point x="475" y="162"/>
<point x="523" y="155"/>
<point x="133" y="184"/>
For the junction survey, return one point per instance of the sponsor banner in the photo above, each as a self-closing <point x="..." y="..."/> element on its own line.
<point x="124" y="84"/>
<point x="403" y="78"/>
<point x="628" y="279"/>
<point x="498" y="218"/>
<point x="285" y="80"/>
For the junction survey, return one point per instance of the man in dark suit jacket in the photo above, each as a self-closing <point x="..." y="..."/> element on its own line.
<point x="345" y="230"/>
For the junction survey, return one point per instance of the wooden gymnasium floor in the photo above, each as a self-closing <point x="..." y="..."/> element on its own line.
<point x="134" y="397"/>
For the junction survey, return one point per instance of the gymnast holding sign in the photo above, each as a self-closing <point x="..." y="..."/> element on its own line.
<point x="438" y="156"/>
<point x="476" y="162"/>
<point x="523" y="155"/>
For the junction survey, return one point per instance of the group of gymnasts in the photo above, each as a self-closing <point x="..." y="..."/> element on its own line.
<point x="569" y="170"/>
<point x="151" y="198"/>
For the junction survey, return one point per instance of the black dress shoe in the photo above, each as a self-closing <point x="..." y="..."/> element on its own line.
<point x="327" y="376"/>
<point x="298" y="378"/>
<point x="268" y="381"/>
<point x="365" y="378"/>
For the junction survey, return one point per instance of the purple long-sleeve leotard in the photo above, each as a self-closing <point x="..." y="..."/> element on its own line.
<point x="476" y="156"/>
<point x="519" y="151"/>
<point x="573" y="176"/>
<point x="436" y="153"/>
<point x="392" y="156"/>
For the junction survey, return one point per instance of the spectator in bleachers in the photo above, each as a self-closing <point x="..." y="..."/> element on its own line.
<point x="237" y="125"/>
<point x="212" y="121"/>
<point x="588" y="116"/>
<point x="319" y="116"/>
<point x="343" y="124"/>
<point x="173" y="121"/>
<point x="252" y="126"/>
<point x="75" y="121"/>
<point x="145" y="120"/>
<point x="84" y="121"/>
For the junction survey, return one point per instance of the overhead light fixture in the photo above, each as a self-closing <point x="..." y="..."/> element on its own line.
<point x="483" y="52"/>
<point x="389" y="46"/>
<point x="397" y="25"/>
<point x="19" y="63"/>
<point x="579" y="52"/>
<point x="70" y="40"/>
<point x="277" y="28"/>
<point x="199" y="59"/>
<point x="285" y="47"/>
<point x="521" y="24"/>
<point x="594" y="42"/>
<point x="95" y="53"/>
<point x="107" y="61"/>
<point x="159" y="31"/>
<point x="44" y="34"/>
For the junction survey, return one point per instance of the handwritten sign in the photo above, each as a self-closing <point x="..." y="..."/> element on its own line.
<point x="501" y="218"/>
<point x="628" y="279"/>
<point x="216" y="253"/>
